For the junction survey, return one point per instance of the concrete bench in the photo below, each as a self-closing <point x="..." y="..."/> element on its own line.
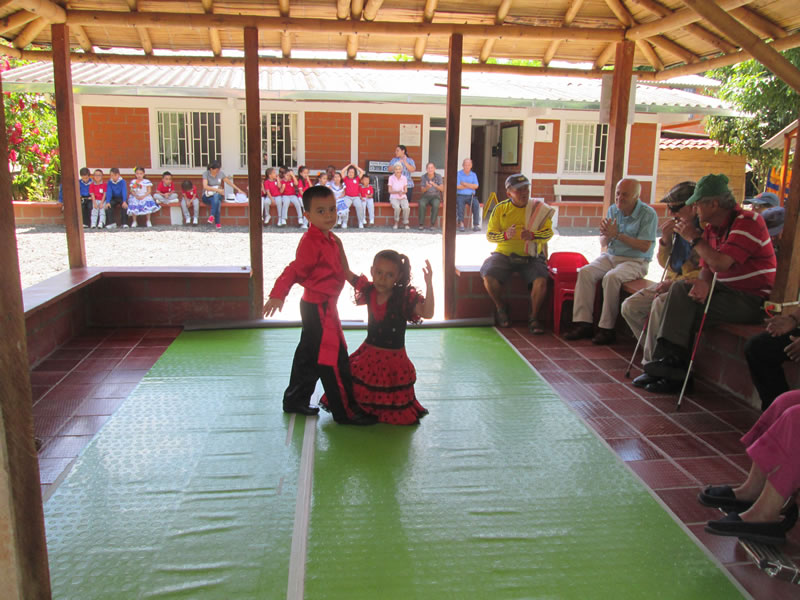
<point x="562" y="190"/>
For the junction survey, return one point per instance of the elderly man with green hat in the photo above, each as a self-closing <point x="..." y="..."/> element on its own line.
<point x="735" y="246"/>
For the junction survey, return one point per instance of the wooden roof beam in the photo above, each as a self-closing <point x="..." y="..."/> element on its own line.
<point x="569" y="16"/>
<point x="213" y="33"/>
<point x="352" y="46"/>
<point x="650" y="54"/>
<point x="50" y="11"/>
<point x="749" y="41"/>
<point x="283" y="7"/>
<point x="499" y="17"/>
<point x="696" y="30"/>
<point x="83" y="40"/>
<point x="602" y="58"/>
<point x="371" y="9"/>
<point x="319" y="26"/>
<point x="356" y="9"/>
<point x="144" y="37"/>
<point x="342" y="9"/>
<point x="30" y="32"/>
<point x="286" y="44"/>
<point x="427" y="17"/>
<point x="673" y="48"/>
<point x="790" y="41"/>
<point x="626" y="18"/>
<point x="680" y="18"/>
<point x="18" y="19"/>
<point x="758" y="23"/>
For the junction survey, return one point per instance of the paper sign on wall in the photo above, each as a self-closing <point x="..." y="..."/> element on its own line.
<point x="410" y="134"/>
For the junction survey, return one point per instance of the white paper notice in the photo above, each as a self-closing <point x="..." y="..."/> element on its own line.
<point x="410" y="134"/>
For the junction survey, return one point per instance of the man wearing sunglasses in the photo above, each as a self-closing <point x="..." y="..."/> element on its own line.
<point x="680" y="262"/>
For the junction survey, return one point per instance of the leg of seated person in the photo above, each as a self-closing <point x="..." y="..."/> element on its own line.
<point x="588" y="277"/>
<point x="656" y="316"/>
<point x="422" y="205"/>
<point x="675" y="331"/>
<point x="765" y="358"/>
<point x="636" y="309"/>
<point x="623" y="271"/>
<point x="538" y="294"/>
<point x="435" y="212"/>
<point x="495" y="289"/>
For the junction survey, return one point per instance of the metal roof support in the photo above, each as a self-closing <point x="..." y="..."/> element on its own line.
<point x="449" y="224"/>
<point x="253" y="116"/>
<point x="618" y="126"/>
<point x="67" y="149"/>
<point x="24" y="572"/>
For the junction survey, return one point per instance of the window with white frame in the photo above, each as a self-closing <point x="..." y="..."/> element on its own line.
<point x="437" y="141"/>
<point x="188" y="139"/>
<point x="278" y="139"/>
<point x="585" y="147"/>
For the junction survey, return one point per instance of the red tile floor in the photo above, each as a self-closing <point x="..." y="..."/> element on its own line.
<point x="81" y="384"/>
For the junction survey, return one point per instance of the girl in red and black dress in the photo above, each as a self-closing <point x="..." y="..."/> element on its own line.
<point x="383" y="375"/>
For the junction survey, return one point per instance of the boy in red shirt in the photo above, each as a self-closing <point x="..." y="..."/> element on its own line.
<point x="165" y="190"/>
<point x="97" y="192"/>
<point x="189" y="194"/>
<point x="322" y="352"/>
<point x="368" y="199"/>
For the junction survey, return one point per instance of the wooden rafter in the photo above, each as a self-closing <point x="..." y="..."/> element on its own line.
<point x="693" y="28"/>
<point x="667" y="44"/>
<point x="356" y="9"/>
<point x="749" y="41"/>
<point x="83" y="39"/>
<point x="352" y="46"/>
<point x="320" y="26"/>
<point x="342" y="9"/>
<point x="50" y="11"/>
<point x="499" y="18"/>
<point x="18" y="19"/>
<point x="680" y="18"/>
<point x="602" y="58"/>
<point x="30" y="32"/>
<point x="647" y="50"/>
<point x="286" y="44"/>
<point x="213" y="33"/>
<point x="758" y="23"/>
<point x="144" y="36"/>
<point x="371" y="9"/>
<point x="552" y="48"/>
<point x="427" y="17"/>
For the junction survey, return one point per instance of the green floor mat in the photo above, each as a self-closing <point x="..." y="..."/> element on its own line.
<point x="190" y="489"/>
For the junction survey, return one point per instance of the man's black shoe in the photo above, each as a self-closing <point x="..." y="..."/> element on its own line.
<point x="580" y="331"/>
<point x="667" y="368"/>
<point x="301" y="410"/>
<point x="644" y="380"/>
<point x="604" y="337"/>
<point x="667" y="386"/>
<point x="363" y="419"/>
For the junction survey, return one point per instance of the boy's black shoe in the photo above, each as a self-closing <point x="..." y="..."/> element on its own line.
<point x="301" y="410"/>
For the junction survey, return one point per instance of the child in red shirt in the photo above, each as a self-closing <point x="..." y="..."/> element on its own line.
<point x="367" y="193"/>
<point x="322" y="352"/>
<point x="97" y="192"/>
<point x="165" y="190"/>
<point x="271" y="192"/>
<point x="189" y="194"/>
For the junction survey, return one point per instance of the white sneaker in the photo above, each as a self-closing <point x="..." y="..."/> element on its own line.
<point x="134" y="224"/>
<point x="344" y="225"/>
<point x="125" y="226"/>
<point x="149" y="224"/>
<point x="194" y="221"/>
<point x="112" y="226"/>
<point x="188" y="221"/>
<point x="361" y="226"/>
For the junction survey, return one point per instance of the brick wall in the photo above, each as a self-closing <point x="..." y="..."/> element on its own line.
<point x="38" y="213"/>
<point x="116" y="137"/>
<point x="641" y="153"/>
<point x="378" y="136"/>
<point x="327" y="140"/>
<point x="545" y="154"/>
<point x="53" y="325"/>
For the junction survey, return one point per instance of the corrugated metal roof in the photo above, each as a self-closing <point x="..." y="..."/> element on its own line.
<point x="777" y="140"/>
<point x="687" y="144"/>
<point x="354" y="85"/>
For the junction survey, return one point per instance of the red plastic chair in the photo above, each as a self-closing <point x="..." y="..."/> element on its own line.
<point x="563" y="267"/>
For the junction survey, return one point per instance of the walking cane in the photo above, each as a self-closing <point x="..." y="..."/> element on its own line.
<point x="646" y="323"/>
<point x="697" y="341"/>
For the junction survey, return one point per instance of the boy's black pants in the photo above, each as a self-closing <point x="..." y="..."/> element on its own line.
<point x="86" y="210"/>
<point x="306" y="370"/>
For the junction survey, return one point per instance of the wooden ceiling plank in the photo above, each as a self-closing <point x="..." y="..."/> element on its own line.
<point x="787" y="43"/>
<point x="371" y="9"/>
<point x="647" y="50"/>
<point x="694" y="29"/>
<point x="680" y="18"/>
<point x="749" y="41"/>
<point x="18" y="19"/>
<point x="50" y="11"/>
<point x="758" y="23"/>
<point x="30" y="32"/>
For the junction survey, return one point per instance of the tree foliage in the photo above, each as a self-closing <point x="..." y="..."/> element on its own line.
<point x="769" y="105"/>
<point x="32" y="142"/>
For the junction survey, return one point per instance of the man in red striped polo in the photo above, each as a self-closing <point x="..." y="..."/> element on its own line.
<point x="735" y="244"/>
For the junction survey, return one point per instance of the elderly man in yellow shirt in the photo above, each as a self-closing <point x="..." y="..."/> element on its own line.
<point x="518" y="250"/>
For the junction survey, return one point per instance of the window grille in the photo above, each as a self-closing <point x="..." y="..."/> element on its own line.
<point x="585" y="148"/>
<point x="278" y="139"/>
<point x="188" y="139"/>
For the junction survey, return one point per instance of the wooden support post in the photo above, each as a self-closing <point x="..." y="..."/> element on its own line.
<point x="67" y="150"/>
<point x="787" y="278"/>
<point x="449" y="225"/>
<point x="253" y="111"/>
<point x="618" y="124"/>
<point x="23" y="548"/>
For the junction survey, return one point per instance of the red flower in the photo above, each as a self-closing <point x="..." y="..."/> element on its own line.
<point x="21" y="104"/>
<point x="12" y="156"/>
<point x="30" y="168"/>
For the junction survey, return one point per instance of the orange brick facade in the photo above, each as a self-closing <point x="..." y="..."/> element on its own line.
<point x="642" y="149"/>
<point x="545" y="154"/>
<point x="327" y="140"/>
<point x="378" y="136"/>
<point x="116" y="137"/>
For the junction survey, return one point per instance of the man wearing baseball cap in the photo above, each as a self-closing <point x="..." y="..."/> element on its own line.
<point x="507" y="229"/>
<point x="735" y="245"/>
<point x="680" y="262"/>
<point x="764" y="201"/>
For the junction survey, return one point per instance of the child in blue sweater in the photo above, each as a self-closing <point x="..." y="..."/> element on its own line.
<point x="116" y="199"/>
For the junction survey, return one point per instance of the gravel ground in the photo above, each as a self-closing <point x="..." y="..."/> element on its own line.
<point x="43" y="252"/>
